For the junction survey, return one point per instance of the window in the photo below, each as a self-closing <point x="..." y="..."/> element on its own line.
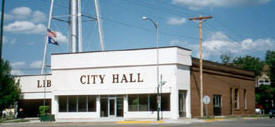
<point x="77" y="103"/>
<point x="62" y="100"/>
<point x="143" y="102"/>
<point x="148" y="102"/>
<point x="91" y="103"/>
<point x="82" y="103"/>
<point x="236" y="98"/>
<point x="72" y="103"/>
<point x="165" y="102"/>
<point x="133" y="103"/>
<point x="245" y="99"/>
<point x="153" y="102"/>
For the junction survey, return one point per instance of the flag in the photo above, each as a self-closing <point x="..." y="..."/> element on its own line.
<point x="51" y="37"/>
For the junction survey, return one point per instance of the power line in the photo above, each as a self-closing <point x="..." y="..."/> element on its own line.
<point x="146" y="29"/>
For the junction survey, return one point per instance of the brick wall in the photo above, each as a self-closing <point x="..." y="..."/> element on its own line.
<point x="217" y="81"/>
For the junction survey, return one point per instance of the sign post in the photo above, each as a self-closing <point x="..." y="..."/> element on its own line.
<point x="206" y="101"/>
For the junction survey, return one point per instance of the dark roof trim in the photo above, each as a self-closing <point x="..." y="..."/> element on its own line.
<point x="222" y="68"/>
<point x="124" y="50"/>
<point x="31" y="75"/>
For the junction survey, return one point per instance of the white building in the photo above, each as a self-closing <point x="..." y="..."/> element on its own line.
<point x="119" y="83"/>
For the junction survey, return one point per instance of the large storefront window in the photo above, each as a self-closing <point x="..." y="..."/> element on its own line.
<point x="77" y="103"/>
<point x="91" y="103"/>
<point x="133" y="102"/>
<point x="143" y="102"/>
<point x="165" y="102"/>
<point x="153" y="102"/>
<point x="148" y="102"/>
<point x="72" y="103"/>
<point x="62" y="100"/>
<point x="82" y="105"/>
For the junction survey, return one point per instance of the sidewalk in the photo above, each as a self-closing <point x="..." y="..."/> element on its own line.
<point x="125" y="121"/>
<point x="143" y="121"/>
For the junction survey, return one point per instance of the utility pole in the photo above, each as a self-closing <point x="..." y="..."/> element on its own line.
<point x="201" y="69"/>
<point x="2" y="23"/>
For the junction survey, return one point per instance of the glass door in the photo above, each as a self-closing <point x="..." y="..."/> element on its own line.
<point x="112" y="106"/>
<point x="119" y="110"/>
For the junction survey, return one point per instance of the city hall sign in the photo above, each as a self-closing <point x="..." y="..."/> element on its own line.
<point x="115" y="78"/>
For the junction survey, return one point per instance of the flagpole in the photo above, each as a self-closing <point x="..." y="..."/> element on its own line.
<point x="46" y="39"/>
<point x="45" y="51"/>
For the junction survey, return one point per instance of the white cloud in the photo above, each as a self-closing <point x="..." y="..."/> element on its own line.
<point x="36" y="64"/>
<point x="21" y="12"/>
<point x="25" y="14"/>
<point x="8" y="17"/>
<point x="219" y="43"/>
<point x="176" y="21"/>
<point x="61" y="38"/>
<point x="15" y="66"/>
<point x="38" y="16"/>
<point x="26" y="27"/>
<point x="197" y="4"/>
<point x="25" y="21"/>
<point x="16" y="72"/>
<point x="18" y="64"/>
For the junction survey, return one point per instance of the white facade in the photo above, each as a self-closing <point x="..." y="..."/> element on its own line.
<point x="32" y="87"/>
<point x="115" y="73"/>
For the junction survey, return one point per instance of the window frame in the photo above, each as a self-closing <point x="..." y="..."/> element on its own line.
<point x="237" y="99"/>
<point x="76" y="102"/>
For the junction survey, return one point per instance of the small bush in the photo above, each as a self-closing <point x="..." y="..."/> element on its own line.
<point x="43" y="110"/>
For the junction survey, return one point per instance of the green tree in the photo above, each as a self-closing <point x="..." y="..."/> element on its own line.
<point x="264" y="95"/>
<point x="270" y="61"/>
<point x="249" y="63"/>
<point x="226" y="59"/>
<point x="9" y="89"/>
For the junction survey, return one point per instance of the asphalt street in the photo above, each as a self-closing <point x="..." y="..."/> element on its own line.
<point x="266" y="122"/>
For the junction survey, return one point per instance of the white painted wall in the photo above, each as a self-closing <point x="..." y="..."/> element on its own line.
<point x="69" y="81"/>
<point x="170" y="55"/>
<point x="29" y="88"/>
<point x="183" y="83"/>
<point x="68" y="68"/>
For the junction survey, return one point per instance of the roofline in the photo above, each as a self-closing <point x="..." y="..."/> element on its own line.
<point x="31" y="75"/>
<point x="124" y="50"/>
<point x="217" y="63"/>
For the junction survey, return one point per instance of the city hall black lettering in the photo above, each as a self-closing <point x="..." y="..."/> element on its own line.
<point x="116" y="78"/>
<point x="44" y="83"/>
<point x="92" y="79"/>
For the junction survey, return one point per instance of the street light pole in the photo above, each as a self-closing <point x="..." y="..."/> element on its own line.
<point x="2" y="24"/>
<point x="156" y="25"/>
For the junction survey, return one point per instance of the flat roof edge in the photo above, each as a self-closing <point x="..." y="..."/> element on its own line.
<point x="135" y="49"/>
<point x="31" y="75"/>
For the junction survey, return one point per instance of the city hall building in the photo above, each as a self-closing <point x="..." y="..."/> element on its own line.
<point x="123" y="83"/>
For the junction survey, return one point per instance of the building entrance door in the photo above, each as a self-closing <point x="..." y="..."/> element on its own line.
<point x="112" y="105"/>
<point x="217" y="105"/>
<point x="182" y="103"/>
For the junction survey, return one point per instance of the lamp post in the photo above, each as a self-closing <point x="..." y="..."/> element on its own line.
<point x="1" y="27"/>
<point x="156" y="25"/>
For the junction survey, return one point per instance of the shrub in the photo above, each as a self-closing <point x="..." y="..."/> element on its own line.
<point x="43" y="110"/>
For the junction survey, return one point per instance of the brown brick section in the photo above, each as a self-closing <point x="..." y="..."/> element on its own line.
<point x="218" y="80"/>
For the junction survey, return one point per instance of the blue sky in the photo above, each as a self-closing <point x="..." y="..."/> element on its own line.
<point x="238" y="28"/>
